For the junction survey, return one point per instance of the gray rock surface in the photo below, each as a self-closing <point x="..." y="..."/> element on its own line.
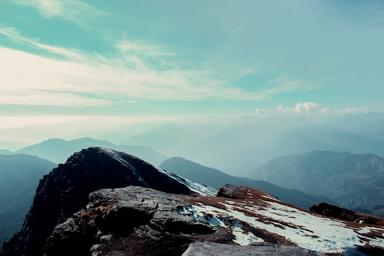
<point x="131" y="221"/>
<point x="214" y="249"/>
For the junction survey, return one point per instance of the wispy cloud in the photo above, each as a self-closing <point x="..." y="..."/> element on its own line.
<point x="15" y="36"/>
<point x="72" y="10"/>
<point x="135" y="72"/>
<point x="48" y="99"/>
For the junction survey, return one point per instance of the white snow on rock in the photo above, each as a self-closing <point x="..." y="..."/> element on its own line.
<point x="367" y="230"/>
<point x="240" y="236"/>
<point x="193" y="186"/>
<point x="243" y="238"/>
<point x="308" y="231"/>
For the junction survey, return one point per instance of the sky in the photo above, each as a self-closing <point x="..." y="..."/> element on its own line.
<point x="87" y="63"/>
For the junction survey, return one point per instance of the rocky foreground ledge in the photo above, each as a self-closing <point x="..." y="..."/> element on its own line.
<point x="143" y="221"/>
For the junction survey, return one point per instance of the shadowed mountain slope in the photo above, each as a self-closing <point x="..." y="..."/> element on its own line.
<point x="19" y="177"/>
<point x="353" y="181"/>
<point x="215" y="178"/>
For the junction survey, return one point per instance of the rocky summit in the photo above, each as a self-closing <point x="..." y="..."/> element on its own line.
<point x="65" y="191"/>
<point x="106" y="203"/>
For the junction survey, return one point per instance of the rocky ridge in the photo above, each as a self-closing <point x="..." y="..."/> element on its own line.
<point x="136" y="209"/>
<point x="65" y="191"/>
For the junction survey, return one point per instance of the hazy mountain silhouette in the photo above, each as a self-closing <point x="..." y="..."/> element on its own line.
<point x="169" y="138"/>
<point x="216" y="178"/>
<point x="353" y="181"/>
<point x="58" y="150"/>
<point x="245" y="148"/>
<point x="5" y="152"/>
<point x="19" y="177"/>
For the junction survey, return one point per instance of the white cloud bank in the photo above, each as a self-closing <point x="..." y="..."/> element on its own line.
<point x="304" y="107"/>
<point x="355" y="110"/>
<point x="316" y="108"/>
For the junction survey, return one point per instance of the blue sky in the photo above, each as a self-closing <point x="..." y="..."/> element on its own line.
<point x="170" y="58"/>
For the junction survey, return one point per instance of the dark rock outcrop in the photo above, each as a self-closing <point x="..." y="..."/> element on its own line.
<point x="214" y="249"/>
<point x="336" y="212"/>
<point x="65" y="191"/>
<point x="242" y="192"/>
<point x="131" y="221"/>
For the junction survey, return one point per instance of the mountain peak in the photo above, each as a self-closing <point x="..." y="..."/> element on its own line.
<point x="65" y="190"/>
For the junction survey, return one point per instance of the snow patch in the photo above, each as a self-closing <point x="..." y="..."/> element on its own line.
<point x="368" y="230"/>
<point x="243" y="238"/>
<point x="213" y="218"/>
<point x="193" y="186"/>
<point x="304" y="229"/>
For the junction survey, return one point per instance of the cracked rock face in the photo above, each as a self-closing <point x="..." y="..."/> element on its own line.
<point x="131" y="221"/>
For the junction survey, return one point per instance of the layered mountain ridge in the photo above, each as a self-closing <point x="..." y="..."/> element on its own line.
<point x="353" y="181"/>
<point x="19" y="177"/>
<point x="216" y="179"/>
<point x="107" y="203"/>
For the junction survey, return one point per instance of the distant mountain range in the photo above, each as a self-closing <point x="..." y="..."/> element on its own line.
<point x="216" y="178"/>
<point x="5" y="152"/>
<point x="353" y="181"/>
<point x="244" y="148"/>
<point x="58" y="150"/>
<point x="243" y="144"/>
<point x="19" y="177"/>
<point x="168" y="138"/>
